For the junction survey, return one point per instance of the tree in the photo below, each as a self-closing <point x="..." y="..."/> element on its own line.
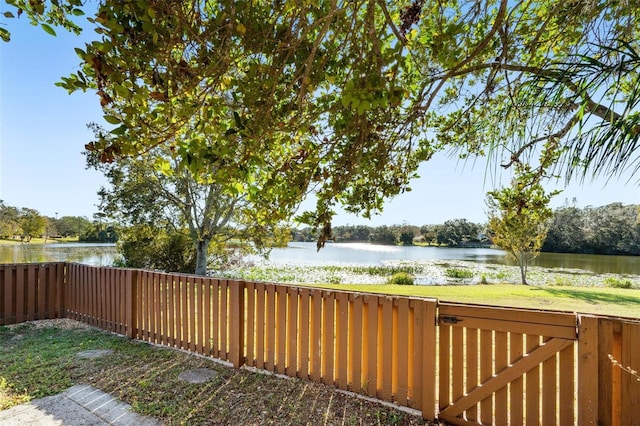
<point x="32" y="224"/>
<point x="457" y="231"/>
<point x="179" y="205"/>
<point x="566" y="233"/>
<point x="9" y="221"/>
<point x="70" y="226"/>
<point x="383" y="235"/>
<point x="518" y="217"/>
<point x="345" y="99"/>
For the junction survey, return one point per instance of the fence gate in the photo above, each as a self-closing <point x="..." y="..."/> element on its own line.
<point x="505" y="366"/>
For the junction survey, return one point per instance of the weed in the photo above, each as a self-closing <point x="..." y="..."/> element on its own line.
<point x="616" y="282"/>
<point x="457" y="273"/>
<point x="401" y="278"/>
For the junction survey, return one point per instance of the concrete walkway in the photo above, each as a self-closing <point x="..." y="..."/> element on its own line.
<point x="78" y="405"/>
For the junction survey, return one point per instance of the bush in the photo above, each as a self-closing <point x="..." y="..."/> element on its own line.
<point x="401" y="278"/>
<point x="616" y="282"/>
<point x="458" y="273"/>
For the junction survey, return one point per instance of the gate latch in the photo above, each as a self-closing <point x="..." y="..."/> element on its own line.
<point x="449" y="320"/>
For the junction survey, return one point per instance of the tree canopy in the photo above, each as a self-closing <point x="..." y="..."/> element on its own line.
<point x="344" y="99"/>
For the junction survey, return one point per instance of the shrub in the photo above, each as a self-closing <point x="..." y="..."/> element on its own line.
<point x="458" y="273"/>
<point x="401" y="278"/>
<point x="616" y="282"/>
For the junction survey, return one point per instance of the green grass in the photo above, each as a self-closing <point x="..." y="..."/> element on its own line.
<point x="37" y="362"/>
<point x="595" y="300"/>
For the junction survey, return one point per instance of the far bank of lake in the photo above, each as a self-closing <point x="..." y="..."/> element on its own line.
<point x="336" y="254"/>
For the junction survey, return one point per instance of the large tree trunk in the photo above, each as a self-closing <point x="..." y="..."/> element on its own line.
<point x="202" y="255"/>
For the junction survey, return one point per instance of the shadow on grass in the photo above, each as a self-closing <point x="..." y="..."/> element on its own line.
<point x="594" y="296"/>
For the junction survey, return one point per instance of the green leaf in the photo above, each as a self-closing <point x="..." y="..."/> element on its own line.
<point x="77" y="12"/>
<point x="111" y="119"/>
<point x="9" y="15"/>
<point x="48" y="29"/>
<point x="118" y="131"/>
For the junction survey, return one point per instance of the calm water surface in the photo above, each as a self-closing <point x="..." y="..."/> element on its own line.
<point x="333" y="254"/>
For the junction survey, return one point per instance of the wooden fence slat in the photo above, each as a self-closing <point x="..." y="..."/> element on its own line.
<point x="304" y="341"/>
<point x="588" y="383"/>
<point x="355" y="343"/>
<point x="292" y="332"/>
<point x="444" y="366"/>
<point x="566" y="390"/>
<point x="342" y="336"/>
<point x="630" y="360"/>
<point x="371" y="345"/>
<point x="429" y="373"/>
<point x="549" y="391"/>
<point x="401" y="345"/>
<point x="250" y="297"/>
<point x="386" y="349"/>
<point x="486" y="372"/>
<point x="18" y="303"/>
<point x="271" y="327"/>
<point x="516" y="387"/>
<point x="316" y="336"/>
<point x="472" y="368"/>
<point x="260" y="325"/>
<point x="328" y="338"/>
<point x="281" y="329"/>
<point x="501" y="362"/>
<point x="533" y="384"/>
<point x="31" y="295"/>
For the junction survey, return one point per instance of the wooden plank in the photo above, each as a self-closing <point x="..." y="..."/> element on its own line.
<point x="356" y="381"/>
<point x="18" y="303"/>
<point x="42" y="291"/>
<point x="215" y="318"/>
<point x="316" y="336"/>
<point x="401" y="345"/>
<point x="372" y="345"/>
<point x="200" y="314"/>
<point x="172" y="298"/>
<point x="303" y="333"/>
<point x="588" y="382"/>
<point x="496" y="382"/>
<point x="164" y="309"/>
<point x="270" y="341"/>
<point x="192" y="314"/>
<point x="486" y="372"/>
<point x="526" y="316"/>
<point x="250" y="297"/>
<point x="549" y="390"/>
<point x="385" y="344"/>
<point x="605" y="372"/>
<point x="281" y="329"/>
<point x="342" y="334"/>
<point x="429" y="353"/>
<point x="516" y="387"/>
<point x="444" y="363"/>
<point x="236" y="323"/>
<point x="472" y="378"/>
<point x="183" y="320"/>
<point x="501" y="362"/>
<point x="328" y="338"/>
<point x="61" y="296"/>
<point x="630" y="359"/>
<point x="416" y="365"/>
<point x="549" y="330"/>
<point x="224" y="319"/>
<point x="292" y="332"/>
<point x="567" y="389"/>
<point x="260" y="325"/>
<point x="31" y="286"/>
<point x="616" y="373"/>
<point x="457" y="363"/>
<point x="533" y="384"/>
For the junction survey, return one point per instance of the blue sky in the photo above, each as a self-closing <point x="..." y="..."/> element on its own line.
<point x="43" y="132"/>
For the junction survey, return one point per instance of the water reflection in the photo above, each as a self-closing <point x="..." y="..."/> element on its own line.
<point x="334" y="254"/>
<point x="89" y="254"/>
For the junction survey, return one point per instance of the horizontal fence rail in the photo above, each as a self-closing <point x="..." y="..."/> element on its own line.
<point x="462" y="364"/>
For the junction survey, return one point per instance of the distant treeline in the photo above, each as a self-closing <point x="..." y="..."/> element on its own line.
<point x="611" y="229"/>
<point x="25" y="224"/>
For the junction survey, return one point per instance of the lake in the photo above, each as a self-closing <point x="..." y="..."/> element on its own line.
<point x="333" y="254"/>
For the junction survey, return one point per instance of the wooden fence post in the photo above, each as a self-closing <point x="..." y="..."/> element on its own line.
<point x="236" y="323"/>
<point x="429" y="364"/>
<point x="131" y="289"/>
<point x="588" y="367"/>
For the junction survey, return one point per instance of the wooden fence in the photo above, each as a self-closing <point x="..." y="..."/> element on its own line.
<point x="462" y="364"/>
